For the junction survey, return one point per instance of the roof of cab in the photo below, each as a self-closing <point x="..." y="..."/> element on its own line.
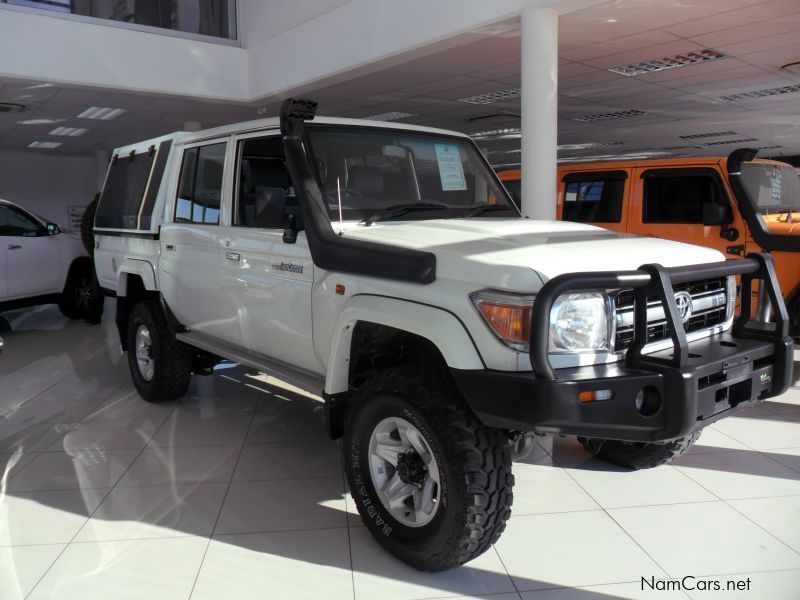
<point x="186" y="137"/>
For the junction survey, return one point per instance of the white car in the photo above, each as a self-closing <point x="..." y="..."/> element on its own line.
<point x="41" y="264"/>
<point x="385" y="266"/>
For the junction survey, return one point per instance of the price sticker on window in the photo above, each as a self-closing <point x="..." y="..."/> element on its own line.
<point x="451" y="171"/>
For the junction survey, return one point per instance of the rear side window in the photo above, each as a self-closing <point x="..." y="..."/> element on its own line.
<point x="678" y="198"/>
<point x="593" y="199"/>
<point x="514" y="189"/>
<point x="200" y="187"/>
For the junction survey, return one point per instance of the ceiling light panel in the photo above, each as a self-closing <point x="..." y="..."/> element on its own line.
<point x="103" y="113"/>
<point x="697" y="136"/>
<point x="620" y="114"/>
<point x="723" y="142"/>
<point x="390" y="116"/>
<point x="491" y="133"/>
<point x="491" y="97"/>
<point x="589" y="146"/>
<point x="668" y="62"/>
<point x="787" y="89"/>
<point x="44" y="145"/>
<point x="70" y="131"/>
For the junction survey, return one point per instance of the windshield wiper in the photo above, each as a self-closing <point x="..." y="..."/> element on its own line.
<point x="482" y="208"/>
<point x="399" y="210"/>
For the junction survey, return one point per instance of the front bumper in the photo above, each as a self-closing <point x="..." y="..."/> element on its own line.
<point x="685" y="388"/>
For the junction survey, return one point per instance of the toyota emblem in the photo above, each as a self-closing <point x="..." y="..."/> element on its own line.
<point x="684" y="302"/>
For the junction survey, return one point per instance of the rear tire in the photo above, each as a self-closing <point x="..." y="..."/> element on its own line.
<point x="462" y="466"/>
<point x="639" y="455"/>
<point x="160" y="365"/>
<point x="77" y="297"/>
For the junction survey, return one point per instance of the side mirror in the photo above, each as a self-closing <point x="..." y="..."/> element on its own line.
<point x="716" y="214"/>
<point x="53" y="229"/>
<point x="270" y="207"/>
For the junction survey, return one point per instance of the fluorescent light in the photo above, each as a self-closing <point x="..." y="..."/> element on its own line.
<point x="723" y="142"/>
<point x="620" y="114"/>
<point x="101" y="112"/>
<point x="390" y="116"/>
<point x="490" y="97"/>
<point x="787" y="89"/>
<point x="41" y="121"/>
<point x="668" y="62"/>
<point x="70" y="131"/>
<point x="696" y="136"/>
<point x="588" y="146"/>
<point x="44" y="145"/>
<point x="490" y="133"/>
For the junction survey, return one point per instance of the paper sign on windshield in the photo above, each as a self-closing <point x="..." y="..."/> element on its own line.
<point x="451" y="171"/>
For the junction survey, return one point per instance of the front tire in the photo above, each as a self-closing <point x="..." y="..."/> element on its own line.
<point x="78" y="294"/>
<point x="432" y="484"/>
<point x="639" y="455"/>
<point x="160" y="365"/>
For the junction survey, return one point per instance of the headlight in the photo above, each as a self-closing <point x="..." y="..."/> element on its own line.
<point x="579" y="323"/>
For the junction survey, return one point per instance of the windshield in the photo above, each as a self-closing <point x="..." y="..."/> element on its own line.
<point x="384" y="174"/>
<point x="774" y="189"/>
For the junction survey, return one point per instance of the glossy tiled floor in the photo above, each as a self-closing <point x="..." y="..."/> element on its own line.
<point x="235" y="492"/>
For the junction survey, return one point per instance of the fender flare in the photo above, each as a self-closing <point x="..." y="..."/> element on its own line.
<point x="441" y="327"/>
<point x="141" y="268"/>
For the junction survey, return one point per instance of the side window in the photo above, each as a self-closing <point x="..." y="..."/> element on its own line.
<point x="15" y="223"/>
<point x="200" y="187"/>
<point x="264" y="194"/>
<point x="514" y="189"/>
<point x="594" y="200"/>
<point x="678" y="199"/>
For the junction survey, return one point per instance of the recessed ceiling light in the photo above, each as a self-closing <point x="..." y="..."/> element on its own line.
<point x="390" y="116"/>
<point x="767" y="147"/>
<point x="668" y="62"/>
<point x="70" y="131"/>
<point x="787" y="89"/>
<point x="490" y="133"/>
<point x="44" y="145"/>
<point x="490" y="97"/>
<point x="41" y="121"/>
<point x="620" y="114"/>
<point x="696" y="136"/>
<point x="723" y="142"/>
<point x="101" y="112"/>
<point x="588" y="146"/>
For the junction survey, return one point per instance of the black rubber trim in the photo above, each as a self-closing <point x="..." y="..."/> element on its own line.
<point x="146" y="212"/>
<point x="768" y="241"/>
<point x="131" y="234"/>
<point x="594" y="176"/>
<point x="670" y="172"/>
<point x="329" y="251"/>
<point x="32" y="301"/>
<point x="450" y="312"/>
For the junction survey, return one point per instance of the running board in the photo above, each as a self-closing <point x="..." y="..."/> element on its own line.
<point x="310" y="382"/>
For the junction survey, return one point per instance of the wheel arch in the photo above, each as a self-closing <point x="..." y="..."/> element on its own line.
<point x="135" y="282"/>
<point x="78" y="264"/>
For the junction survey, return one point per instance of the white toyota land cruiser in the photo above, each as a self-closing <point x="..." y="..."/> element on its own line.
<point x="385" y="266"/>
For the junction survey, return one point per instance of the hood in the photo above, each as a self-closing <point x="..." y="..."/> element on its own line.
<point x="488" y="249"/>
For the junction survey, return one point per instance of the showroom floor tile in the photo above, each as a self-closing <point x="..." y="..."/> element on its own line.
<point x="236" y="492"/>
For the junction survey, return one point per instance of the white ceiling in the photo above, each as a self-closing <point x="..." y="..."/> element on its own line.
<point x="758" y="38"/>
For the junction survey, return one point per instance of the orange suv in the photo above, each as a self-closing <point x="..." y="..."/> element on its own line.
<point x="737" y="205"/>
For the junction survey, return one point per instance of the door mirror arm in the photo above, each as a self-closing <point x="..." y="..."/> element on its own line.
<point x="729" y="233"/>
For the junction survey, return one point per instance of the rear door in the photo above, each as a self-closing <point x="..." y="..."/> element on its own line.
<point x="667" y="202"/>
<point x="594" y="197"/>
<point x="33" y="263"/>
<point x="189" y="240"/>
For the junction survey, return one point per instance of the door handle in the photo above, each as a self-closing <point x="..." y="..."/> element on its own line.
<point x="234" y="256"/>
<point x="170" y="247"/>
<point x="14" y="246"/>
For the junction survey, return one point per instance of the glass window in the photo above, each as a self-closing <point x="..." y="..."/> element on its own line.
<point x="263" y="182"/>
<point x="514" y="189"/>
<point x="123" y="192"/>
<point x="200" y="187"/>
<point x="15" y="223"/>
<point x="215" y="18"/>
<point x="381" y="173"/>
<point x="775" y="189"/>
<point x="595" y="201"/>
<point x="678" y="199"/>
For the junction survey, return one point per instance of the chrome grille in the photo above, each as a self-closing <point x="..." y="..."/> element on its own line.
<point x="709" y="308"/>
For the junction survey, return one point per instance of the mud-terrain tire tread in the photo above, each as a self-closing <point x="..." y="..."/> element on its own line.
<point x="482" y="461"/>
<point x="173" y="359"/>
<point x="639" y="457"/>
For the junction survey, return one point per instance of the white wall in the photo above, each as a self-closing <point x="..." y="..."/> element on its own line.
<point x="47" y="184"/>
<point x="262" y="19"/>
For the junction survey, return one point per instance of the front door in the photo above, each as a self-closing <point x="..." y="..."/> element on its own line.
<point x="668" y="203"/>
<point x="33" y="263"/>
<point x="265" y="284"/>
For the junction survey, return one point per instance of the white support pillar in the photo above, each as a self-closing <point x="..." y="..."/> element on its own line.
<point x="539" y="112"/>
